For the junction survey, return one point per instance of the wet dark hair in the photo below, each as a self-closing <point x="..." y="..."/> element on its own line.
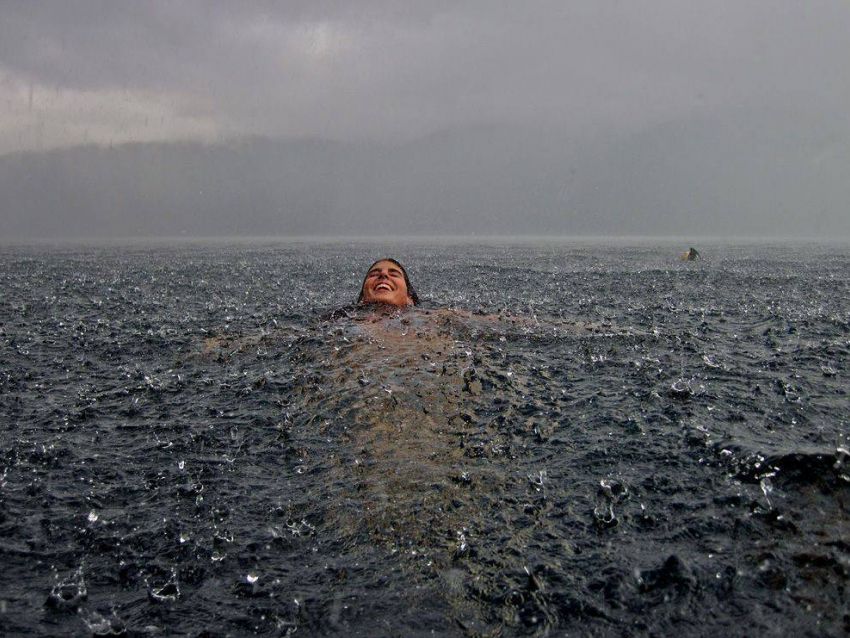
<point x="410" y="291"/>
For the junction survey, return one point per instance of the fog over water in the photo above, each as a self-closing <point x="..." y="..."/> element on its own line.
<point x="320" y="118"/>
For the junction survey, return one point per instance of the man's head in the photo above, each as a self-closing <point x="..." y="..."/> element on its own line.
<point x="387" y="282"/>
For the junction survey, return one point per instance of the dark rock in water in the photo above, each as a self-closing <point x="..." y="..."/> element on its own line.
<point x="791" y="470"/>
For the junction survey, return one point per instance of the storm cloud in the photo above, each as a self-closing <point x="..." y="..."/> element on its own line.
<point x="582" y="100"/>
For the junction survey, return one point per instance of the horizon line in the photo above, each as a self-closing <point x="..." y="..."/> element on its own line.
<point x="472" y="238"/>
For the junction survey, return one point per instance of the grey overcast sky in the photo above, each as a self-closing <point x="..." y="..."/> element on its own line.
<point x="655" y="117"/>
<point x="101" y="71"/>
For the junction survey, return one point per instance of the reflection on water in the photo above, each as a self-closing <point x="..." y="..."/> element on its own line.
<point x="596" y="442"/>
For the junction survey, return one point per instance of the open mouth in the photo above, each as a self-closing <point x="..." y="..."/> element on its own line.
<point x="383" y="287"/>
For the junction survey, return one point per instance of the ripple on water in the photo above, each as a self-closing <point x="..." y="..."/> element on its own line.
<point x="597" y="440"/>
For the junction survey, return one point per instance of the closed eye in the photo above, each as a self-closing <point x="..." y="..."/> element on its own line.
<point x="392" y="272"/>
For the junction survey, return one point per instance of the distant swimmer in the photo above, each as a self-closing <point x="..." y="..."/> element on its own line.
<point x="387" y="282"/>
<point x="690" y="255"/>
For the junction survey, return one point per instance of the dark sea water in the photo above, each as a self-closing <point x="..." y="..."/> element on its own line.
<point x="602" y="440"/>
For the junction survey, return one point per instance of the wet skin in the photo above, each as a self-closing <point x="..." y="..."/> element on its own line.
<point x="385" y="284"/>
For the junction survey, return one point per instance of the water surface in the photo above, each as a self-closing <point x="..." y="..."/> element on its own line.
<point x="600" y="440"/>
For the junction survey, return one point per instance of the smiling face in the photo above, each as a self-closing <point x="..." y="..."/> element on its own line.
<point x="385" y="283"/>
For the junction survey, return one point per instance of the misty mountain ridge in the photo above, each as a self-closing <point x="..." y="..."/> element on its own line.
<point x="743" y="174"/>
